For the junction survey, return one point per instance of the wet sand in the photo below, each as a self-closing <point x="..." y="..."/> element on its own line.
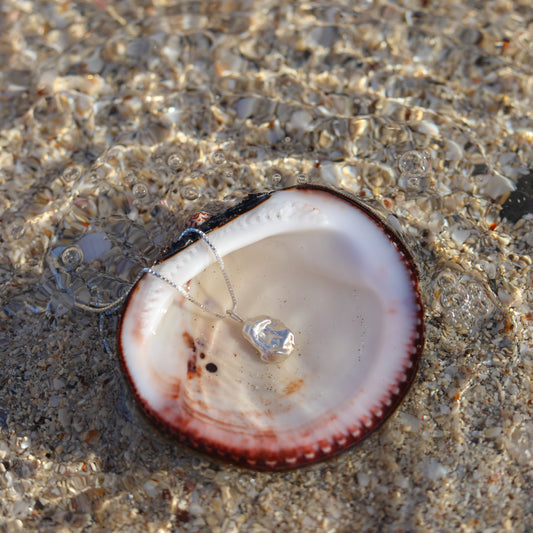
<point x="113" y="116"/>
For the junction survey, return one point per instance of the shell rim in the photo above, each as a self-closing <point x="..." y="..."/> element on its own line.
<point x="280" y="463"/>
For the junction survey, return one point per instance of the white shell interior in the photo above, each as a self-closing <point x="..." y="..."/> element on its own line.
<point x="326" y="270"/>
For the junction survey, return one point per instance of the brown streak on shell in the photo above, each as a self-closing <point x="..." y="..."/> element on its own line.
<point x="189" y="341"/>
<point x="293" y="386"/>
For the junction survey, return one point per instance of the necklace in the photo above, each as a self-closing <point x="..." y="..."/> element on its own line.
<point x="269" y="336"/>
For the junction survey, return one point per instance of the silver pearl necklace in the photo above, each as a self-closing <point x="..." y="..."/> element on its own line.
<point x="269" y="336"/>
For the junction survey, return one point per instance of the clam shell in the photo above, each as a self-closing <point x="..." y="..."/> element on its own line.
<point x="323" y="264"/>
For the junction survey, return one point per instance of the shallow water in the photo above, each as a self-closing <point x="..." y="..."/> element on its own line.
<point x="118" y="121"/>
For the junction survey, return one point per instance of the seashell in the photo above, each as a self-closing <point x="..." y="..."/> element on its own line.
<point x="320" y="264"/>
<point x="196" y="220"/>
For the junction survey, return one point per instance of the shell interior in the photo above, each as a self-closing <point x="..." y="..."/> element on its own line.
<point x="330" y="271"/>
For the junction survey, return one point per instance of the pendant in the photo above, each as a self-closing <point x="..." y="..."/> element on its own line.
<point x="273" y="340"/>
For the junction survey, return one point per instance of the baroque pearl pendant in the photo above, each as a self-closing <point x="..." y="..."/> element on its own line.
<point x="273" y="340"/>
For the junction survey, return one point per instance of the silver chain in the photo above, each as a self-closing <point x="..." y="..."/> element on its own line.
<point x="270" y="337"/>
<point x="230" y="313"/>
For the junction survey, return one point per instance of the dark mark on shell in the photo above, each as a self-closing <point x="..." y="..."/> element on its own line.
<point x="211" y="367"/>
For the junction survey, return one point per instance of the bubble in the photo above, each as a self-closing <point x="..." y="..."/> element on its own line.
<point x="446" y="279"/>
<point x="72" y="257"/>
<point x="71" y="174"/>
<point x="159" y="162"/>
<point x="451" y="298"/>
<point x="287" y="140"/>
<point x="413" y="183"/>
<point x="301" y="179"/>
<point x="228" y="173"/>
<point x="465" y="302"/>
<point x="218" y="158"/>
<point x="482" y="307"/>
<point x="16" y="230"/>
<point x="520" y="444"/>
<point x="189" y="192"/>
<point x="175" y="161"/>
<point x="275" y="179"/>
<point x="139" y="190"/>
<point x="480" y="302"/>
<point x="414" y="163"/>
<point x="460" y="318"/>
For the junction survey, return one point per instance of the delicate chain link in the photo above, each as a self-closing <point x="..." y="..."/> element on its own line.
<point x="270" y="337"/>
<point x="230" y="313"/>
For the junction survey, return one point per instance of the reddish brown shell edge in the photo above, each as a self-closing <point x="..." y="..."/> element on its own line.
<point x="357" y="434"/>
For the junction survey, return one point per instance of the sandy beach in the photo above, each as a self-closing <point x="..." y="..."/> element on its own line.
<point x="120" y="120"/>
